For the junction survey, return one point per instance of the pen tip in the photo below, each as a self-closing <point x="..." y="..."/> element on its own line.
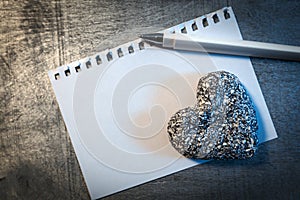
<point x="155" y="37"/>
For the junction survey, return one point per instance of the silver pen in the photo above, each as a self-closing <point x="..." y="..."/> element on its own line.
<point x="219" y="46"/>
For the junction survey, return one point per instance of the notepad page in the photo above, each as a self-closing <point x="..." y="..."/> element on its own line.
<point x="117" y="103"/>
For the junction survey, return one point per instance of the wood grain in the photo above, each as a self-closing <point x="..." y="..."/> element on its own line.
<point x="36" y="155"/>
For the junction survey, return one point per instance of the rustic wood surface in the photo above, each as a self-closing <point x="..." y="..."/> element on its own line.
<point x="37" y="160"/>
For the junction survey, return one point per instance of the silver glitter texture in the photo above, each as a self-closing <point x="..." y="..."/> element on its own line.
<point x="222" y="124"/>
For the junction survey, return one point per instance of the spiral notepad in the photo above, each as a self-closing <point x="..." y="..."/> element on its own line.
<point x="116" y="104"/>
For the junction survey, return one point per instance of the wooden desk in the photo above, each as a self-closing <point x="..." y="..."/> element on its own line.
<point x="37" y="160"/>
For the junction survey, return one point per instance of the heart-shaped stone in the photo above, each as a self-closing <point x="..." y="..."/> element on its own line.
<point x="222" y="124"/>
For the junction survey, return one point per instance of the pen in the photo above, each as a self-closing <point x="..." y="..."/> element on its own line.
<point x="220" y="46"/>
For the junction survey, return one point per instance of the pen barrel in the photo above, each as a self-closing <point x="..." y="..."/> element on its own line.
<point x="235" y="47"/>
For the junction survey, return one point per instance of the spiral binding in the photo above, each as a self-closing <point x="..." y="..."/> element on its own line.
<point x="194" y="25"/>
<point x="202" y="22"/>
<point x="99" y="59"/>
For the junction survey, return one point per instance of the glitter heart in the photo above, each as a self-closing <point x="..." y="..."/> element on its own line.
<point x="222" y="124"/>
